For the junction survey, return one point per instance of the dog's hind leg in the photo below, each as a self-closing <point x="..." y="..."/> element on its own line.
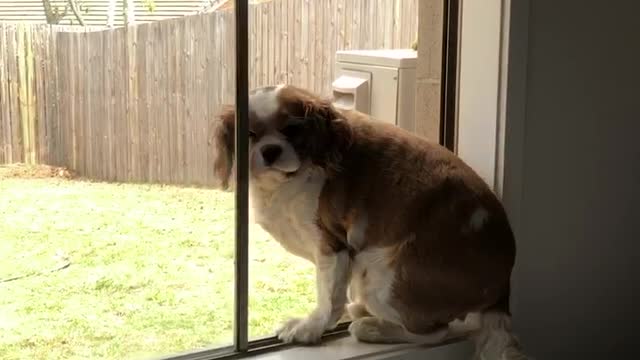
<point x="357" y="310"/>
<point x="356" y="307"/>
<point x="376" y="320"/>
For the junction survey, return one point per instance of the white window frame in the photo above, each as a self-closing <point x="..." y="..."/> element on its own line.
<point x="503" y="106"/>
<point x="497" y="115"/>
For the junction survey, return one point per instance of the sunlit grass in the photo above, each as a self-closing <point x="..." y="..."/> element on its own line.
<point x="150" y="271"/>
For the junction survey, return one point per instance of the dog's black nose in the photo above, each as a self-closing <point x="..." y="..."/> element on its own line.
<point x="271" y="153"/>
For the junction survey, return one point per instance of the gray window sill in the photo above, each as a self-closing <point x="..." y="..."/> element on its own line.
<point x="348" y="348"/>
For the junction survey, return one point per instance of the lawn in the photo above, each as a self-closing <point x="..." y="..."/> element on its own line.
<point x="93" y="270"/>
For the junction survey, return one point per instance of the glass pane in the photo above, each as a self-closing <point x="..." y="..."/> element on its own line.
<point x="295" y="42"/>
<point x="281" y="285"/>
<point x="117" y="246"/>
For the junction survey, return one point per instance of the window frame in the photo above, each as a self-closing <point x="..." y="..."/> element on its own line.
<point x="513" y="27"/>
<point x="242" y="347"/>
<point x="241" y="281"/>
<point x="450" y="73"/>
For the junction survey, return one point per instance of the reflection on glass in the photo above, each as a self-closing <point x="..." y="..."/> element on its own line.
<point x="295" y="42"/>
<point x="123" y="249"/>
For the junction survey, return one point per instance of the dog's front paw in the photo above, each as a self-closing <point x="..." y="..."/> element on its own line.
<point x="304" y="331"/>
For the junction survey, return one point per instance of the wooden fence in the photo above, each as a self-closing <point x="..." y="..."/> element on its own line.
<point x="135" y="104"/>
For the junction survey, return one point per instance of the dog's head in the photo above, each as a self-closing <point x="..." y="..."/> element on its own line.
<point x="290" y="130"/>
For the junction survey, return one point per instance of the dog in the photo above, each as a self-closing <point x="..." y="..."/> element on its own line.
<point x="405" y="236"/>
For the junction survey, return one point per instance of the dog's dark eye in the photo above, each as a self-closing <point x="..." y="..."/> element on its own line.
<point x="291" y="130"/>
<point x="252" y="135"/>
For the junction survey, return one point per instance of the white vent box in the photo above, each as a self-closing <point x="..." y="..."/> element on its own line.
<point x="381" y="83"/>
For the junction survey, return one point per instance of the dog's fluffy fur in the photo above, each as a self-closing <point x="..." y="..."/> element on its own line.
<point x="403" y="234"/>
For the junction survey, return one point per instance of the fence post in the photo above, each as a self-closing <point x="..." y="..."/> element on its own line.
<point x="25" y="93"/>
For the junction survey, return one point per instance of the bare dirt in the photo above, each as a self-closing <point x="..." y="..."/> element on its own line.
<point x="34" y="172"/>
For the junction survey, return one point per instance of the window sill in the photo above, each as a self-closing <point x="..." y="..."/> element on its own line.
<point x="348" y="348"/>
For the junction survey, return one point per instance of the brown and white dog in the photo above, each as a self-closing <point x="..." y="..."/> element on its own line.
<point x="400" y="227"/>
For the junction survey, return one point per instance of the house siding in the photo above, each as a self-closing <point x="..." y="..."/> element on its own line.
<point x="32" y="11"/>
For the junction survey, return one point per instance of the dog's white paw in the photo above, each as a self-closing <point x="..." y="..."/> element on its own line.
<point x="304" y="331"/>
<point x="366" y="329"/>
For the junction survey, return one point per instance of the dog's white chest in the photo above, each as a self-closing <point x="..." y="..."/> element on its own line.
<point x="289" y="213"/>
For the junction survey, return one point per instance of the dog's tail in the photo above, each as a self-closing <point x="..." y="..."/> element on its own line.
<point x="494" y="339"/>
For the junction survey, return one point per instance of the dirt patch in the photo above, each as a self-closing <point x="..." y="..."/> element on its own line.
<point x="34" y="172"/>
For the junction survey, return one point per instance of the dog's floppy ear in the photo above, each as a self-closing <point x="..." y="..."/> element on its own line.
<point x="330" y="133"/>
<point x="223" y="140"/>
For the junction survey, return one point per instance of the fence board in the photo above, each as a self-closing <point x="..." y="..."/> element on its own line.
<point x="168" y="98"/>
<point x="84" y="47"/>
<point x="180" y="103"/>
<point x="270" y="43"/>
<point x="264" y="61"/>
<point x="189" y="93"/>
<point x="253" y="51"/>
<point x="62" y="134"/>
<point x="120" y="138"/>
<point x="291" y="36"/>
<point x="25" y="74"/>
<point x="318" y="38"/>
<point x="5" y="139"/>
<point x="95" y="100"/>
<point x="199" y="115"/>
<point x="14" y="96"/>
<point x="153" y="98"/>
<point x="144" y="97"/>
<point x="23" y="101"/>
<point x="135" y="104"/>
<point x="40" y="131"/>
<point x="107" y="54"/>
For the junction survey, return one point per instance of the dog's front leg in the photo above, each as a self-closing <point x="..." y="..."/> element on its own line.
<point x="332" y="277"/>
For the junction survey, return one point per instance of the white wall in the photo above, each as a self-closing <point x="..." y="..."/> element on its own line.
<point x="578" y="211"/>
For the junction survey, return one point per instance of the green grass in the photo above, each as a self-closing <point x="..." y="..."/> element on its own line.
<point x="151" y="271"/>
